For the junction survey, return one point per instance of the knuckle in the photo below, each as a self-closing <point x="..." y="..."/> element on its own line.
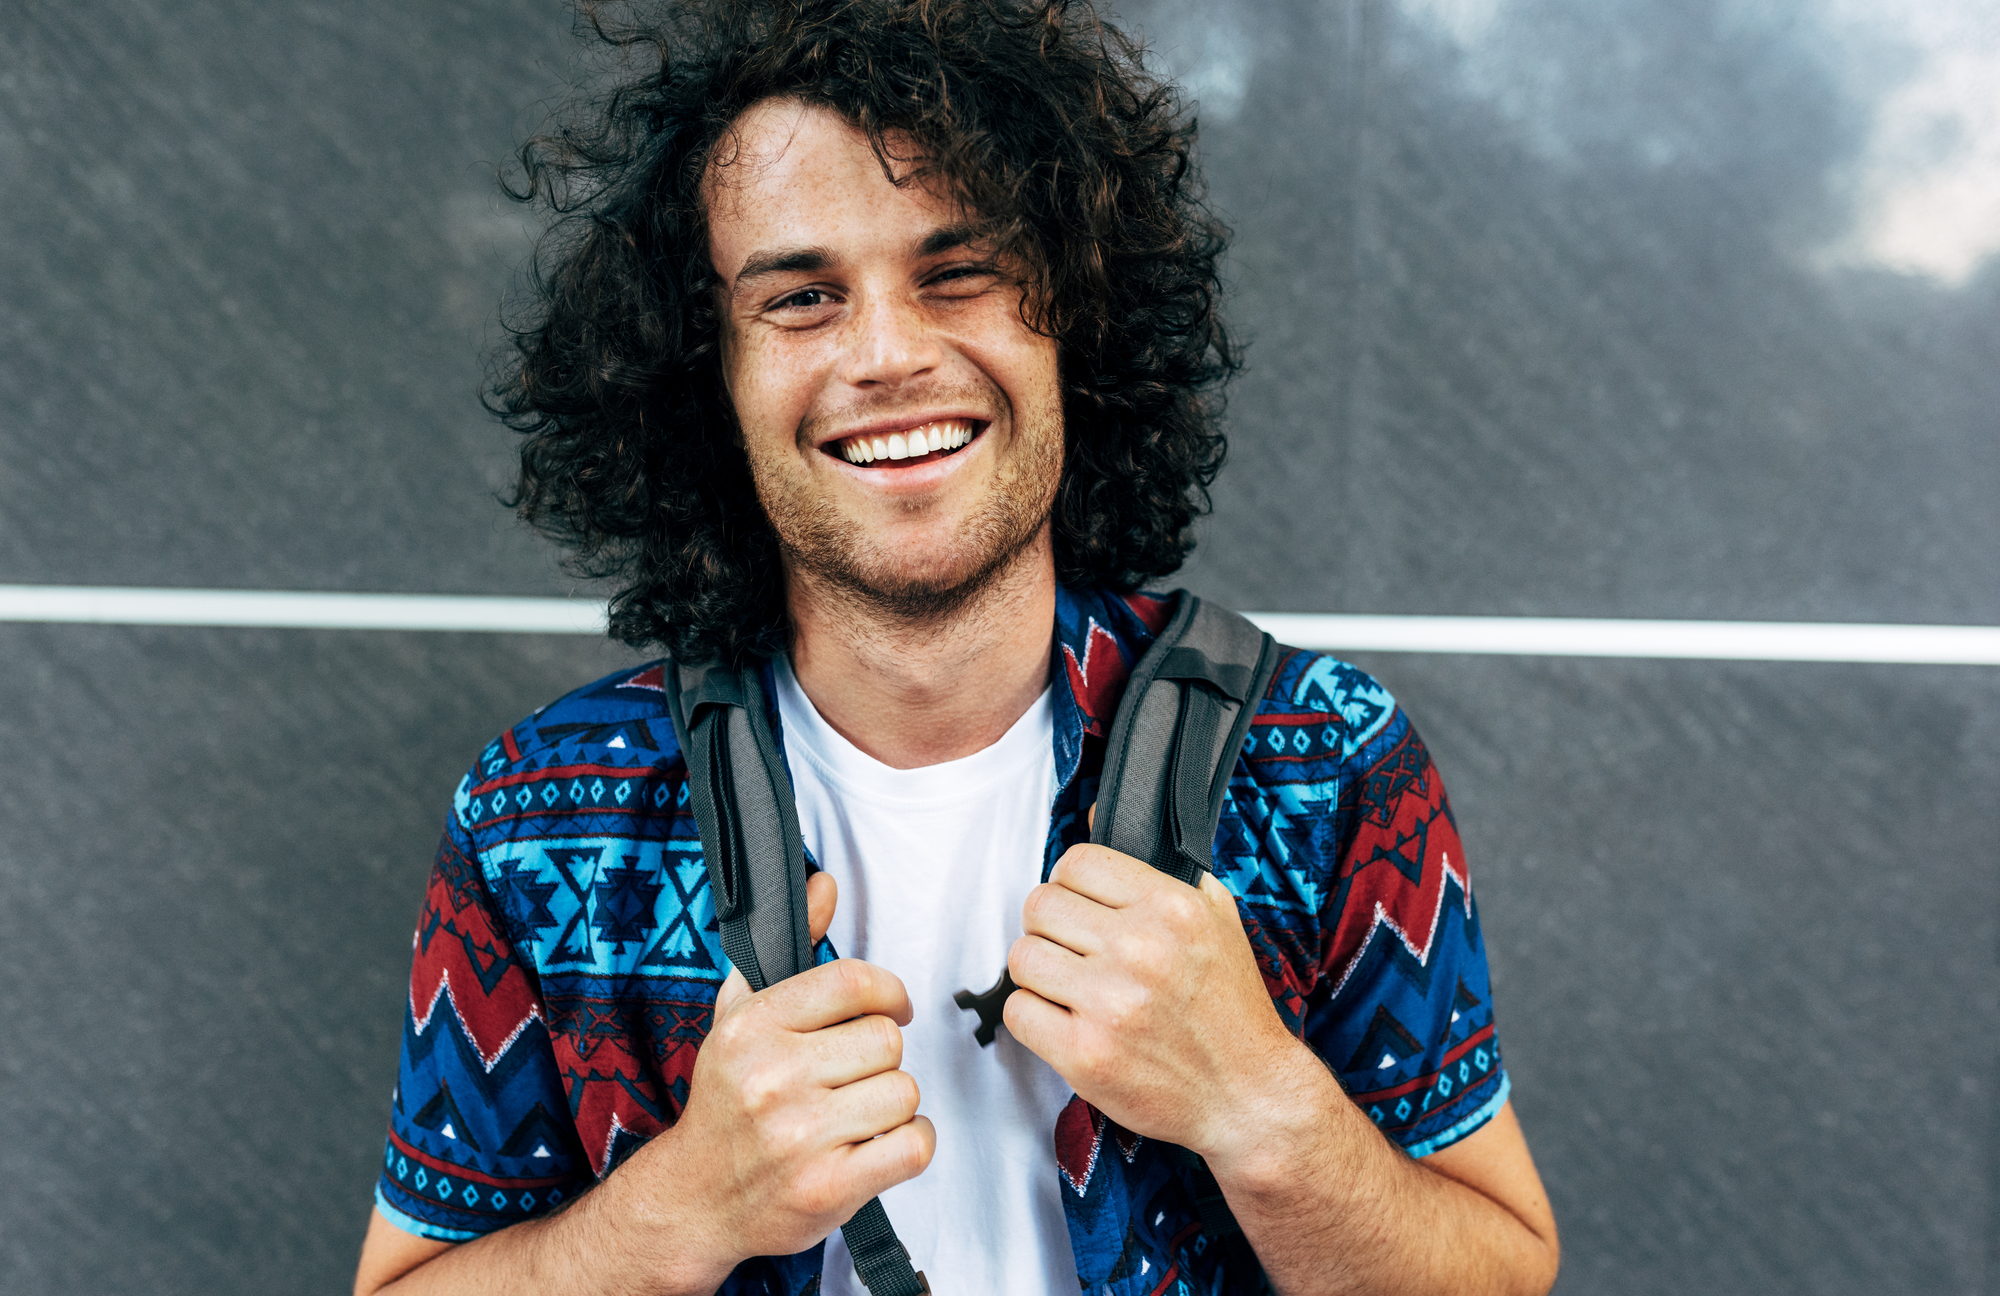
<point x="887" y="1038"/>
<point x="855" y="979"/>
<point x="906" y="1094"/>
<point x="1036" y="906"/>
<point x="911" y="1157"/>
<point x="763" y="1088"/>
<point x="819" y="1192"/>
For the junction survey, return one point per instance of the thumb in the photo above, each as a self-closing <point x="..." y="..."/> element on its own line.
<point x="821" y="893"/>
<point x="734" y="987"/>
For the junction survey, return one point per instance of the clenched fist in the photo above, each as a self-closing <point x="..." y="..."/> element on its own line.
<point x="797" y="1112"/>
<point x="1143" y="993"/>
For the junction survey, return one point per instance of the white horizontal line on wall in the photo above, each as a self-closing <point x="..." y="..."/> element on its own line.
<point x="299" y="610"/>
<point x="1528" y="636"/>
<point x="1834" y="641"/>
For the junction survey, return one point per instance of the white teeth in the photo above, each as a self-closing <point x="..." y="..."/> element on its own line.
<point x="947" y="434"/>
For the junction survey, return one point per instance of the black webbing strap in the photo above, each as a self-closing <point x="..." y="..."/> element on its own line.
<point x="879" y="1257"/>
<point x="749" y="823"/>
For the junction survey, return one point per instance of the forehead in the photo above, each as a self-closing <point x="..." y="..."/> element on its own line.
<point x="788" y="175"/>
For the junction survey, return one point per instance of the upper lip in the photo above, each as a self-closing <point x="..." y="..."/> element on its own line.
<point x="900" y="423"/>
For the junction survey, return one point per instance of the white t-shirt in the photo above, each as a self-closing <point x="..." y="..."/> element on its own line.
<point x="933" y="866"/>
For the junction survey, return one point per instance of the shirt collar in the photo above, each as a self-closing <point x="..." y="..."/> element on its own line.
<point x="1099" y="635"/>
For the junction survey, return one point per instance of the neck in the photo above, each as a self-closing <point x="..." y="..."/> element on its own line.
<point x="914" y="692"/>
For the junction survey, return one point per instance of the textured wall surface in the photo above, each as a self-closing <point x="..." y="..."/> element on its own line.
<point x="1573" y="307"/>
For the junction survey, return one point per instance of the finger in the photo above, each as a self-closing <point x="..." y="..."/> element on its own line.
<point x="900" y="1155"/>
<point x="1056" y="913"/>
<point x="821" y="894"/>
<point x="1049" y="970"/>
<point x="836" y="992"/>
<point x="850" y="1051"/>
<point x="1105" y="875"/>
<point x="1040" y="1026"/>
<point x="1090" y="818"/>
<point x="734" y="990"/>
<point x="1217" y="894"/>
<point x="869" y="1108"/>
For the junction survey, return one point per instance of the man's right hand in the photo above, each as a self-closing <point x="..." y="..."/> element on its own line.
<point x="797" y="1114"/>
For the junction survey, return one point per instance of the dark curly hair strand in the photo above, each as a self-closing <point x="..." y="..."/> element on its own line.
<point x="1033" y="113"/>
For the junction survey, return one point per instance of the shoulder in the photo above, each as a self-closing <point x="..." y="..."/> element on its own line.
<point x="618" y="727"/>
<point x="1320" y="711"/>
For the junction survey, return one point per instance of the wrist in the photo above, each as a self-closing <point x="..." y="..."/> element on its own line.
<point x="639" y="1242"/>
<point x="1281" y="1126"/>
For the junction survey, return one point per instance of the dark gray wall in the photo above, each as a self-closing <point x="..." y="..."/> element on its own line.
<point x="1585" y="307"/>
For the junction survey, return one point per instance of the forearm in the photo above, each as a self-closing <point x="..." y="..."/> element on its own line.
<point x="606" y="1244"/>
<point x="1330" y="1206"/>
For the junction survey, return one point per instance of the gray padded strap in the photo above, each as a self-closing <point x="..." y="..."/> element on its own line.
<point x="1167" y="764"/>
<point x="1173" y="744"/>
<point x="742" y="801"/>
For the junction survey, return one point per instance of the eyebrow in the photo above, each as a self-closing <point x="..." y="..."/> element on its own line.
<point x="945" y="238"/>
<point x="811" y="260"/>
<point x="784" y="261"/>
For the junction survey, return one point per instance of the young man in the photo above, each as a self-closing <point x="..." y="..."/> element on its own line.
<point x="880" y="353"/>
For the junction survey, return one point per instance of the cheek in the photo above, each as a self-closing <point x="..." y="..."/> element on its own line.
<point x="767" y="396"/>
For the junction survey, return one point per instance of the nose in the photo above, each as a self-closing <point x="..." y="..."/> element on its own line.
<point x="891" y="342"/>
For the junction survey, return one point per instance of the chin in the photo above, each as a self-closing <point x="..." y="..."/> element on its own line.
<point x="920" y="590"/>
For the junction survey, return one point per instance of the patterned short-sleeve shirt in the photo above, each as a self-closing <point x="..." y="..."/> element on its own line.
<point x="567" y="958"/>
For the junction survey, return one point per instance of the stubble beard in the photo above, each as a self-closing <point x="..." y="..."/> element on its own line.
<point x="824" y="548"/>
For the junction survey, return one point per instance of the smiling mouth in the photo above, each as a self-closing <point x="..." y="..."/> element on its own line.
<point x="925" y="444"/>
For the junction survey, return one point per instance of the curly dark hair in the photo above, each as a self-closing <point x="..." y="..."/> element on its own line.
<point x="1035" y="114"/>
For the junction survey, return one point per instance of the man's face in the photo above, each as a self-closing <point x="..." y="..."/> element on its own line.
<point x="903" y="424"/>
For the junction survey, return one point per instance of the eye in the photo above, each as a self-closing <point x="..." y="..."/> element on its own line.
<point x="803" y="299"/>
<point x="963" y="278"/>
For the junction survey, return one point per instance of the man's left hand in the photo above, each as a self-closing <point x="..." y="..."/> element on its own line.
<point x="1143" y="993"/>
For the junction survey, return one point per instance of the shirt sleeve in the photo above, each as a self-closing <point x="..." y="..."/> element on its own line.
<point x="1402" y="1009"/>
<point x="480" y="1135"/>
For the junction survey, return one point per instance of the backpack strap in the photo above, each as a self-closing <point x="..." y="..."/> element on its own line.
<point x="1175" y="739"/>
<point x="1173" y="745"/>
<point x="741" y="795"/>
